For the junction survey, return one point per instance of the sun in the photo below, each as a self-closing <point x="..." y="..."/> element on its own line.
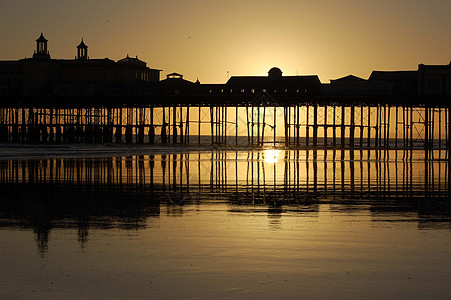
<point x="271" y="156"/>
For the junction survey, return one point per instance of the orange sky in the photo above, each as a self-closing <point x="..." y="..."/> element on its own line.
<point x="205" y="39"/>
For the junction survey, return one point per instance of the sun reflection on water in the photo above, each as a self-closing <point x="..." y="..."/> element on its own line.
<point x="271" y="156"/>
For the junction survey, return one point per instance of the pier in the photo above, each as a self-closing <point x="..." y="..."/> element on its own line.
<point x="50" y="101"/>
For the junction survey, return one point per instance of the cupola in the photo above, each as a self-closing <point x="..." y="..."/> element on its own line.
<point x="82" y="51"/>
<point x="41" y="48"/>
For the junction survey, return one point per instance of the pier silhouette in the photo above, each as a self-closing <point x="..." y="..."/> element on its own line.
<point x="84" y="100"/>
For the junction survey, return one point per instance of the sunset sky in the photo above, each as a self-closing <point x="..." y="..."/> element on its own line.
<point x="205" y="39"/>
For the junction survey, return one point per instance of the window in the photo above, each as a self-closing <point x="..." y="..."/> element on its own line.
<point x="252" y="91"/>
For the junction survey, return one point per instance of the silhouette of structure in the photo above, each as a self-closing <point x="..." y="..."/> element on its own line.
<point x="41" y="48"/>
<point x="100" y="100"/>
<point x="82" y="50"/>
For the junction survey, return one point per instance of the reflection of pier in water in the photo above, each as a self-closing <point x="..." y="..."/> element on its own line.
<point x="123" y="192"/>
<point x="260" y="175"/>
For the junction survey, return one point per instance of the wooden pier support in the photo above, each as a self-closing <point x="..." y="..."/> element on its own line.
<point x="343" y="127"/>
<point x="151" y="128"/>
<point x="307" y="128"/>
<point x="427" y="127"/>
<point x="334" y="133"/>
<point x="325" y="144"/>
<point x="199" y="117"/>
<point x="297" y="125"/>
<point x="362" y="127"/>
<point x="174" y="124"/>
<point x="315" y="126"/>
<point x="448" y="136"/>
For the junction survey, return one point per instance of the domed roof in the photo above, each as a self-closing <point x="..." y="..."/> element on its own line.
<point x="275" y="73"/>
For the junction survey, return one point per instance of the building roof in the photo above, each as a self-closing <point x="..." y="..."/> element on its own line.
<point x="435" y="66"/>
<point x="263" y="80"/>
<point x="174" y="75"/>
<point x="393" y="75"/>
<point x="87" y="62"/>
<point x="132" y="61"/>
<point x="434" y="69"/>
<point x="348" y="78"/>
<point x="82" y="44"/>
<point x="274" y="78"/>
<point x="41" y="38"/>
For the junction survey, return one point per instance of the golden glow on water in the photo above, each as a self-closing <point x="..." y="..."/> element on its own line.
<point x="271" y="156"/>
<point x="320" y="170"/>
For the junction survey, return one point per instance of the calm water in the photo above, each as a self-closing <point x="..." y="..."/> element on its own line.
<point x="227" y="224"/>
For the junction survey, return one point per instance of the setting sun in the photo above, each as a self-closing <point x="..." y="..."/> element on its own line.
<point x="271" y="156"/>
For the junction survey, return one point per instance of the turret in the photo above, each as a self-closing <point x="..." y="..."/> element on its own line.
<point x="41" y="48"/>
<point x="82" y="51"/>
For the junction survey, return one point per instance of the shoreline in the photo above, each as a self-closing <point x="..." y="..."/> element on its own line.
<point x="10" y="151"/>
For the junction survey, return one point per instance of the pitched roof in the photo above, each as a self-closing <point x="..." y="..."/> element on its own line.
<point x="348" y="78"/>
